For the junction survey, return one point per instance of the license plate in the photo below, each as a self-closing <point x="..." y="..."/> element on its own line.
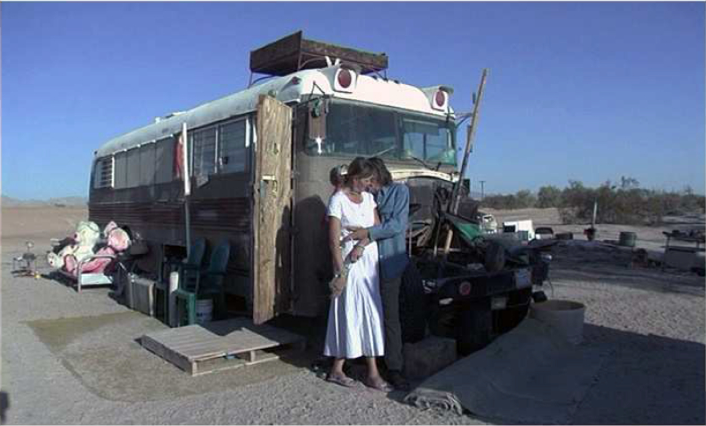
<point x="497" y="303"/>
<point x="523" y="278"/>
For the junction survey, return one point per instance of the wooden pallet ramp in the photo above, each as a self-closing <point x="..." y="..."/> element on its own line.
<point x="205" y="348"/>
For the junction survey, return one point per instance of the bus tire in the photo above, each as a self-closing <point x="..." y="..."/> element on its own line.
<point x="473" y="327"/>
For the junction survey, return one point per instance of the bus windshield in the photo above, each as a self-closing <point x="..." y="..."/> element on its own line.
<point x="354" y="129"/>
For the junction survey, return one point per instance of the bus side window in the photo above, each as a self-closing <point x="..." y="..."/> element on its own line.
<point x="232" y="155"/>
<point x="120" y="179"/>
<point x="203" y="156"/>
<point x="133" y="168"/>
<point x="147" y="164"/>
<point x="164" y="160"/>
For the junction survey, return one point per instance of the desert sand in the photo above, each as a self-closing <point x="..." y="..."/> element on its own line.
<point x="70" y="358"/>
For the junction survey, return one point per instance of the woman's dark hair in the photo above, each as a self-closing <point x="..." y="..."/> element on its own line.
<point x="337" y="174"/>
<point x="383" y="175"/>
<point x="359" y="168"/>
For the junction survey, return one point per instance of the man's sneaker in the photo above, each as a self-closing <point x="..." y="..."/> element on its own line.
<point x="397" y="380"/>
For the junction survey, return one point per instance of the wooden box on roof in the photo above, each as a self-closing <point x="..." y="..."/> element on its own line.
<point x="293" y="53"/>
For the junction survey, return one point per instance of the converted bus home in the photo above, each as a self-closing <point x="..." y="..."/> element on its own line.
<point x="257" y="163"/>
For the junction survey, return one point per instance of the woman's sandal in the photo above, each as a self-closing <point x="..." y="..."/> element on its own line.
<point x="344" y="381"/>
<point x="380" y="385"/>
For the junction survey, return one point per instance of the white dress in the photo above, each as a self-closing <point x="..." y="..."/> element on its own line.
<point x="355" y="317"/>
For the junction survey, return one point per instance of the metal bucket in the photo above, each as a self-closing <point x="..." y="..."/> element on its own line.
<point x="627" y="239"/>
<point x="565" y="316"/>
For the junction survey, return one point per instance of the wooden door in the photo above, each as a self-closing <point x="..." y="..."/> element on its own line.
<point x="272" y="210"/>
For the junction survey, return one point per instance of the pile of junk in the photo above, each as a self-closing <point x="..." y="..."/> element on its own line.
<point x="89" y="256"/>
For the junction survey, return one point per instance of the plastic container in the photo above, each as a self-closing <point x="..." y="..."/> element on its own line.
<point x="627" y="239"/>
<point x="204" y="311"/>
<point x="171" y="297"/>
<point x="565" y="316"/>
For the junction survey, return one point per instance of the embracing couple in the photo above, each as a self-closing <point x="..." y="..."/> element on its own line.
<point x="368" y="216"/>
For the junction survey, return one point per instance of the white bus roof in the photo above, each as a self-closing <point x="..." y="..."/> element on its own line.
<point x="290" y="88"/>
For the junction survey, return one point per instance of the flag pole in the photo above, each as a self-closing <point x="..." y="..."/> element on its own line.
<point x="456" y="194"/>
<point x="187" y="185"/>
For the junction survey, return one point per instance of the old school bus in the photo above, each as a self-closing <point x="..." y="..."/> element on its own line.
<point x="257" y="162"/>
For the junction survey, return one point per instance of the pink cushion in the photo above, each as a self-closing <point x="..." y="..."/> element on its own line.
<point x="109" y="227"/>
<point x="70" y="264"/>
<point x="118" y="239"/>
<point x="99" y="265"/>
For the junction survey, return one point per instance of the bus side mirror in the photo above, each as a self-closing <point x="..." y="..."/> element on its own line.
<point x="318" y="110"/>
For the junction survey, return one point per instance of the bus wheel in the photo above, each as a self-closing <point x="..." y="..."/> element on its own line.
<point x="473" y="328"/>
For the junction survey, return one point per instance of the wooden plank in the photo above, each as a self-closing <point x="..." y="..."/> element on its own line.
<point x="241" y="332"/>
<point x="176" y="336"/>
<point x="272" y="214"/>
<point x="230" y="345"/>
<point x="248" y="356"/>
<point x="271" y="57"/>
<point x="186" y="339"/>
<point x="194" y="336"/>
<point x="203" y="348"/>
<point x="195" y="341"/>
<point x="368" y="61"/>
<point x="218" y="364"/>
<point x="165" y="353"/>
<point x="258" y="357"/>
<point x="236" y="342"/>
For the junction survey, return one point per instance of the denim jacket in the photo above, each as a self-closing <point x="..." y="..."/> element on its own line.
<point x="393" y="207"/>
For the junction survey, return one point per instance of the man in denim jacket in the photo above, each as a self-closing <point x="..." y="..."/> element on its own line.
<point x="393" y="206"/>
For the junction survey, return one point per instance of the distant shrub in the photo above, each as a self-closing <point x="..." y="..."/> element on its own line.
<point x="625" y="203"/>
<point x="620" y="203"/>
<point x="520" y="200"/>
<point x="500" y="202"/>
<point x="525" y="199"/>
<point x="548" y="196"/>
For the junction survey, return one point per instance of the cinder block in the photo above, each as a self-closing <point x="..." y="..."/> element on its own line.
<point x="428" y="356"/>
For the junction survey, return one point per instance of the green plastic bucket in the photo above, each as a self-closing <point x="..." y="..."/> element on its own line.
<point x="627" y="239"/>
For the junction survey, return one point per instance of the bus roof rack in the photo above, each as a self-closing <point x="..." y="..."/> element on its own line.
<point x="294" y="53"/>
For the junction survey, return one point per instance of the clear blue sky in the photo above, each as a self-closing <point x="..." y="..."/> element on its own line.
<point x="581" y="91"/>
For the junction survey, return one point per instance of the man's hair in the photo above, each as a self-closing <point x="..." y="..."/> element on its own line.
<point x="383" y="175"/>
<point x="360" y="168"/>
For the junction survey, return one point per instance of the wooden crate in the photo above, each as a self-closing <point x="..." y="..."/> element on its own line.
<point x="205" y="348"/>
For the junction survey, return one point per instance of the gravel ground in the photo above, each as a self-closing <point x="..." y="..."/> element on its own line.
<point x="71" y="358"/>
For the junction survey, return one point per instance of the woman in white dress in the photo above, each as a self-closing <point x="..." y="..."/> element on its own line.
<point x="355" y="317"/>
